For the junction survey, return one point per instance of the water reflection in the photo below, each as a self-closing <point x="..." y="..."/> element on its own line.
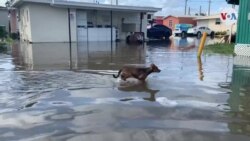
<point x="107" y="56"/>
<point x="75" y="105"/>
<point x="200" y="68"/>
<point x="85" y="55"/>
<point x="141" y="87"/>
<point x="239" y="100"/>
<point x="91" y="55"/>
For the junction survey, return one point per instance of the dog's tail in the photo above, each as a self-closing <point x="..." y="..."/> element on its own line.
<point x="117" y="74"/>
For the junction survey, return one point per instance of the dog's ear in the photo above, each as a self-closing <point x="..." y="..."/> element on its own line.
<point x="152" y="65"/>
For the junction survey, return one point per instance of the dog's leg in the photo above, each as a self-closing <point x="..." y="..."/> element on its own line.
<point x="142" y="77"/>
<point x="124" y="77"/>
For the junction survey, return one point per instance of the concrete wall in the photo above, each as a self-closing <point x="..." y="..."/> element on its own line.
<point x="24" y="23"/>
<point x="202" y="23"/>
<point x="4" y="21"/>
<point x="50" y="24"/>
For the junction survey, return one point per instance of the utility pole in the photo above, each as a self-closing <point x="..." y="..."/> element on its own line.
<point x="186" y="7"/>
<point x="189" y="11"/>
<point x="209" y="6"/>
<point x="200" y="11"/>
<point x="116" y="2"/>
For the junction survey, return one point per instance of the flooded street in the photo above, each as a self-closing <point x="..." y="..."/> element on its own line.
<point x="51" y="92"/>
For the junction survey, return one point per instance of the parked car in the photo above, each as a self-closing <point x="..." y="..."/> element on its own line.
<point x="159" y="32"/>
<point x="198" y="31"/>
<point x="181" y="29"/>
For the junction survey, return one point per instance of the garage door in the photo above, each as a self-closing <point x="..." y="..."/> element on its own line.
<point x="82" y="32"/>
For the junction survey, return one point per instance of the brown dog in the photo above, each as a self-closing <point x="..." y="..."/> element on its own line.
<point x="139" y="73"/>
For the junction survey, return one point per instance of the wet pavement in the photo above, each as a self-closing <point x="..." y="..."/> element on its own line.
<point x="48" y="93"/>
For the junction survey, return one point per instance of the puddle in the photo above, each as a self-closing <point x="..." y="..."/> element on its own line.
<point x="46" y="95"/>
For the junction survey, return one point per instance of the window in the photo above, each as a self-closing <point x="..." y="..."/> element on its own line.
<point x="149" y="16"/>
<point x="217" y="21"/>
<point x="170" y="23"/>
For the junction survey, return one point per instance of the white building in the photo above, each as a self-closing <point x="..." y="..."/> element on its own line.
<point x="214" y="23"/>
<point x="58" y="20"/>
<point x="4" y="21"/>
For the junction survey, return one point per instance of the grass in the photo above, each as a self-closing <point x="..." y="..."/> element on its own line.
<point x="223" y="48"/>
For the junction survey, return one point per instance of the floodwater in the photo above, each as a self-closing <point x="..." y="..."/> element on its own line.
<point x="51" y="92"/>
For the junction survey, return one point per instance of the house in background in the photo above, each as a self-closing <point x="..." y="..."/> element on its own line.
<point x="214" y="23"/>
<point x="170" y="21"/>
<point x="57" y="20"/>
<point x="4" y="20"/>
<point x="158" y="20"/>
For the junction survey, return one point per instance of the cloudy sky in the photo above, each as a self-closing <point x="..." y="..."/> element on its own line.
<point x="169" y="7"/>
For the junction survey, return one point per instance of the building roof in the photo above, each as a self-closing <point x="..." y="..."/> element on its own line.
<point x="85" y="5"/>
<point x="183" y="16"/>
<point x="159" y="17"/>
<point x="217" y="16"/>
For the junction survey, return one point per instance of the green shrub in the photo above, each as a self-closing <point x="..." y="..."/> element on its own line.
<point x="221" y="33"/>
<point x="3" y="32"/>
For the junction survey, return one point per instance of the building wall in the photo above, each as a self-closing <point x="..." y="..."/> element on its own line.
<point x="203" y="23"/>
<point x="244" y="23"/>
<point x="178" y="20"/>
<point x="158" y="20"/>
<point x="13" y="21"/>
<point x="167" y="23"/>
<point x="4" y="18"/>
<point x="187" y="20"/>
<point x="50" y="24"/>
<point x="119" y="18"/>
<point x="24" y="23"/>
<point x="211" y="23"/>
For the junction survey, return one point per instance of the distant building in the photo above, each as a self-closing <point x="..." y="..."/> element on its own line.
<point x="57" y="20"/>
<point x="170" y="21"/>
<point x="158" y="19"/>
<point x="214" y="23"/>
<point x="4" y="21"/>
